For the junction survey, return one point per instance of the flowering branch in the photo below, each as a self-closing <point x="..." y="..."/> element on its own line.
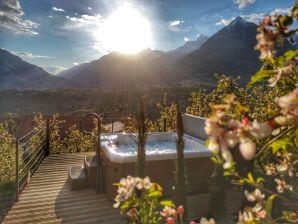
<point x="289" y="129"/>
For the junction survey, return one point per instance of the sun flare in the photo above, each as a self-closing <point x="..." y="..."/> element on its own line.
<point x="126" y="31"/>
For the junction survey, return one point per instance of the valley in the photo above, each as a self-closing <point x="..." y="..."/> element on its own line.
<point x="107" y="102"/>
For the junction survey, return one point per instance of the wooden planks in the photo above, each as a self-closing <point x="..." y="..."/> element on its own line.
<point x="48" y="199"/>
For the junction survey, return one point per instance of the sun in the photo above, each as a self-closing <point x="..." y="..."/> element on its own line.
<point x="126" y="31"/>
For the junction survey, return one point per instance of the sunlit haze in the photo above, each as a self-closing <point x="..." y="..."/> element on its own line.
<point x="126" y="31"/>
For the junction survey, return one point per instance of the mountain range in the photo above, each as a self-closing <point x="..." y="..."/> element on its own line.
<point x="188" y="47"/>
<point x="18" y="74"/>
<point x="230" y="51"/>
<point x="121" y="70"/>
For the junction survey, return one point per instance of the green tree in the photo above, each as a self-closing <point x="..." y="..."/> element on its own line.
<point x="7" y="152"/>
<point x="76" y="141"/>
<point x="167" y="117"/>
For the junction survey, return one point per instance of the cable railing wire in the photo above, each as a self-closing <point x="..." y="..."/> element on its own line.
<point x="30" y="151"/>
<point x="30" y="171"/>
<point x="27" y="164"/>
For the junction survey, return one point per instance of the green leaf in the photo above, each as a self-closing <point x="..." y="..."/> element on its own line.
<point x="155" y="194"/>
<point x="241" y="182"/>
<point x="253" y="222"/>
<point x="290" y="216"/>
<point x="250" y="178"/>
<point x="215" y="160"/>
<point x="285" y="21"/>
<point x="167" y="203"/>
<point x="261" y="76"/>
<point x="125" y="205"/>
<point x="268" y="206"/>
<point x="295" y="11"/>
<point x="281" y="144"/>
<point x="289" y="55"/>
<point x="260" y="180"/>
<point x="241" y="109"/>
<point x="227" y="173"/>
<point x="295" y="137"/>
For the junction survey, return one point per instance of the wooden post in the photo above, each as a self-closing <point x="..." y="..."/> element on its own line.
<point x="142" y="137"/>
<point x="48" y="136"/>
<point x="112" y="125"/>
<point x="180" y="174"/>
<point x="99" y="179"/>
<point x="164" y="124"/>
<point x="17" y="169"/>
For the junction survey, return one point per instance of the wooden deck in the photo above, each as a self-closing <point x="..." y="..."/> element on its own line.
<point x="48" y="199"/>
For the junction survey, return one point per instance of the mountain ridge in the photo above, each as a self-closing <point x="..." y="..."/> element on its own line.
<point x="16" y="73"/>
<point x="188" y="47"/>
<point x="229" y="51"/>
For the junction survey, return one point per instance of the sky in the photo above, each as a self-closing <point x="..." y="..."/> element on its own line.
<point x="59" y="34"/>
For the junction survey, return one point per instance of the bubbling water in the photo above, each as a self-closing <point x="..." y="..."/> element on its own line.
<point x="154" y="147"/>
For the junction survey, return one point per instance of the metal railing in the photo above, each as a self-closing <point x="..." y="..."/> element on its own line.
<point x="30" y="151"/>
<point x="99" y="176"/>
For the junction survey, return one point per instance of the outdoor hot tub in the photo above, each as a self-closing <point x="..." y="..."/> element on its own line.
<point x="120" y="152"/>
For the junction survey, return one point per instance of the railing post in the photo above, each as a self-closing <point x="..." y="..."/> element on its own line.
<point x="99" y="167"/>
<point x="99" y="177"/>
<point x="112" y="125"/>
<point x="48" y="136"/>
<point x="17" y="169"/>
<point x="164" y="124"/>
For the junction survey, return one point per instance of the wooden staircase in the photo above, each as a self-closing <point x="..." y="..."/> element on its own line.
<point x="83" y="176"/>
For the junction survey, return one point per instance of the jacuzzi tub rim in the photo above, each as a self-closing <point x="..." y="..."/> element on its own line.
<point x="115" y="157"/>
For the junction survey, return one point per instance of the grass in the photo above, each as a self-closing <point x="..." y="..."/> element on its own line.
<point x="7" y="192"/>
<point x="7" y="188"/>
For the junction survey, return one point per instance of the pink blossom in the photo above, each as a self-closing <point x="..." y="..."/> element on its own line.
<point x="256" y="195"/>
<point x="248" y="150"/>
<point x="170" y="220"/>
<point x="180" y="210"/>
<point x="261" y="214"/>
<point x="206" y="221"/>
<point x="132" y="213"/>
<point x="168" y="211"/>
<point x="270" y="169"/>
<point x="281" y="185"/>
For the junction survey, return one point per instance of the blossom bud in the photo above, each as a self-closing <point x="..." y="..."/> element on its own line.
<point x="281" y="120"/>
<point x="132" y="213"/>
<point x="248" y="150"/>
<point x="180" y="210"/>
<point x="170" y="220"/>
<point x="245" y="121"/>
<point x="265" y="130"/>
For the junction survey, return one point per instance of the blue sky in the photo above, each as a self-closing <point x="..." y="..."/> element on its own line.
<point x="58" y="34"/>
